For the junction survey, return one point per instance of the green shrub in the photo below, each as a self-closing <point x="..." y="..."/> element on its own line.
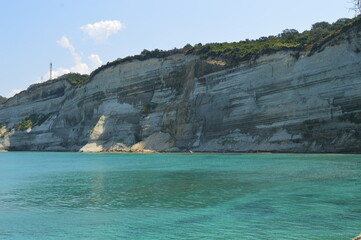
<point x="147" y="108"/>
<point x="76" y="79"/>
<point x="23" y="125"/>
<point x="31" y="121"/>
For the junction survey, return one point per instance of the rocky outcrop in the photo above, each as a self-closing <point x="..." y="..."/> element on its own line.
<point x="156" y="142"/>
<point x="358" y="237"/>
<point x="277" y="103"/>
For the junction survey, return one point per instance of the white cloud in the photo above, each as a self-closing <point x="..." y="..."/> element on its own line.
<point x="101" y="31"/>
<point x="65" y="43"/>
<point x="95" y="61"/>
<point x="78" y="67"/>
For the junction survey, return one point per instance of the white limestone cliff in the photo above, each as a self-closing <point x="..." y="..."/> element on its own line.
<point x="276" y="103"/>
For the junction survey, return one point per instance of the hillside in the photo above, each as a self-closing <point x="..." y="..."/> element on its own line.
<point x="294" y="92"/>
<point x="236" y="52"/>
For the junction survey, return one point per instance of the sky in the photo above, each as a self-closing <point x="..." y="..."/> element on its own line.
<point x="81" y="35"/>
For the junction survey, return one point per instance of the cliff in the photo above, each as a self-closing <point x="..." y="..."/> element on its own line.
<point x="284" y="101"/>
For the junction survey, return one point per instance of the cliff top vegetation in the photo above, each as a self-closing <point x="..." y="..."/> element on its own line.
<point x="235" y="52"/>
<point x="76" y="79"/>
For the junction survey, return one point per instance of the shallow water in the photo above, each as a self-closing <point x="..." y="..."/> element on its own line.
<point x="179" y="196"/>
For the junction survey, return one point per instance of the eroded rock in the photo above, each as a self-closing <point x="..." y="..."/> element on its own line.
<point x="157" y="142"/>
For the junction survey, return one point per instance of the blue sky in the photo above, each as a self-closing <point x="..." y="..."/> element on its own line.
<point x="79" y="35"/>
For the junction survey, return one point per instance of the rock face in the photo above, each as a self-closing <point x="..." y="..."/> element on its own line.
<point x="277" y="103"/>
<point x="358" y="237"/>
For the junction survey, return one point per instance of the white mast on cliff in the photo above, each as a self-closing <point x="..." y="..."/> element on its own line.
<point x="51" y="70"/>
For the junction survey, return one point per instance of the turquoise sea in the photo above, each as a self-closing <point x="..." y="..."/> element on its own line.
<point x="179" y="196"/>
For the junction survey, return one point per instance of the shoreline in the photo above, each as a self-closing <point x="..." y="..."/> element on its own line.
<point x="190" y="153"/>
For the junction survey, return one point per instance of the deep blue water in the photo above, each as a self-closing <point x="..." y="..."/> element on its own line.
<point x="179" y="196"/>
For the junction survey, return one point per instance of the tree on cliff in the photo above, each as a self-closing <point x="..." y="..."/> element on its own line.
<point x="289" y="34"/>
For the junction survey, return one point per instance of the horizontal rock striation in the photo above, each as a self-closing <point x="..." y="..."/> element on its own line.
<point x="276" y="103"/>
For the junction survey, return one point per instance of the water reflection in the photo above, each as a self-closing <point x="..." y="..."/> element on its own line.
<point x="133" y="189"/>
